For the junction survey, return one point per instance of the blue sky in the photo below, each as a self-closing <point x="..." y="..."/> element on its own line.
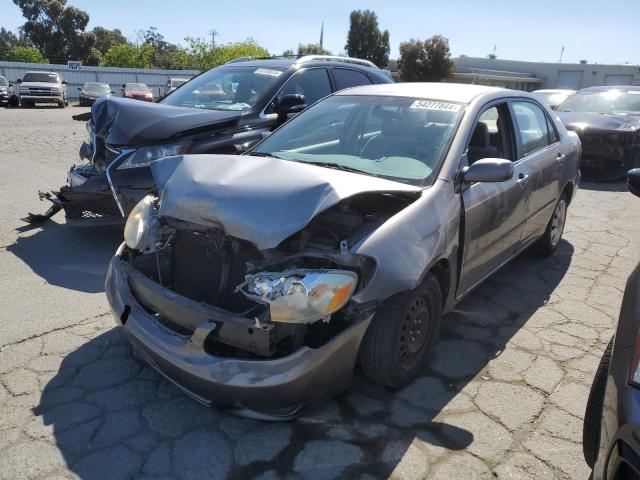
<point x="597" y="30"/>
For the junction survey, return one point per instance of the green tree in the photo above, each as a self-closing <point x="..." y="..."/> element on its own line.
<point x="365" y="40"/>
<point x="56" y="30"/>
<point x="200" y="55"/>
<point x="312" y="49"/>
<point x="129" y="56"/>
<point x="8" y="40"/>
<point x="105" y="38"/>
<point x="26" y="54"/>
<point x="428" y="61"/>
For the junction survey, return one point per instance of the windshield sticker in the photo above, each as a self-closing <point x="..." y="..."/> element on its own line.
<point x="268" y="71"/>
<point x="440" y="106"/>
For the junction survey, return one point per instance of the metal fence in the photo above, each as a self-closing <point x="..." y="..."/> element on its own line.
<point x="115" y="77"/>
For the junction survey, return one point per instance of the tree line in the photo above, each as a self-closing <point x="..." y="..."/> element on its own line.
<point x="54" y="32"/>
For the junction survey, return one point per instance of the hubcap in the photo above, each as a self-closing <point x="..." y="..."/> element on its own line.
<point x="557" y="221"/>
<point x="415" y="327"/>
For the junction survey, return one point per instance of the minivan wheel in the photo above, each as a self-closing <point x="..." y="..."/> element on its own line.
<point x="555" y="228"/>
<point x="593" y="412"/>
<point x="395" y="346"/>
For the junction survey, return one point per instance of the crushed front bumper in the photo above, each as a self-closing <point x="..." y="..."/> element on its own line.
<point x="274" y="389"/>
<point x="87" y="200"/>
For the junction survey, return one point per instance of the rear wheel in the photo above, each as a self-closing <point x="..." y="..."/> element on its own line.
<point x="395" y="347"/>
<point x="593" y="412"/>
<point x="553" y="234"/>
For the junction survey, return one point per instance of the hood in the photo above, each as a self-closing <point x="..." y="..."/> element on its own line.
<point x="579" y="121"/>
<point x="261" y="200"/>
<point x="127" y="122"/>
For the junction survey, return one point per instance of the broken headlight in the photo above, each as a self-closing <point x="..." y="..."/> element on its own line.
<point x="300" y="296"/>
<point x="141" y="229"/>
<point x="145" y="155"/>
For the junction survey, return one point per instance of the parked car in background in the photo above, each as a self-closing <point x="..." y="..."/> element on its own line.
<point x="224" y="110"/>
<point x="137" y="91"/>
<point x="173" y="83"/>
<point x="255" y="282"/>
<point x="607" y="120"/>
<point x="5" y="93"/>
<point x="91" y="91"/>
<point x="611" y="434"/>
<point x="553" y="97"/>
<point x="42" y="87"/>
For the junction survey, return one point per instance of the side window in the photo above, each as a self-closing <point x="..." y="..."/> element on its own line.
<point x="312" y="83"/>
<point x="490" y="137"/>
<point x="532" y="127"/>
<point x="346" y="77"/>
<point x="553" y="135"/>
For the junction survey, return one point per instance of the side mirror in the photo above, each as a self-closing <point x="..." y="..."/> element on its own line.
<point x="633" y="181"/>
<point x="79" y="89"/>
<point x="488" y="170"/>
<point x="64" y="82"/>
<point x="19" y="80"/>
<point x="292" y="103"/>
<point x="11" y="84"/>
<point x="112" y="91"/>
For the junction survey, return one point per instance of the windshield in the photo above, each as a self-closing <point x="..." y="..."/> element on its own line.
<point x="553" y="99"/>
<point x="136" y="86"/>
<point x="40" y="77"/>
<point x="3" y="82"/>
<point x="97" y="87"/>
<point x="225" y="88"/>
<point x="402" y="139"/>
<point x="611" y="102"/>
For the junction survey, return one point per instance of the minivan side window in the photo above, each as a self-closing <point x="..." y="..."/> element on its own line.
<point x="532" y="127"/>
<point x="313" y="83"/>
<point x="347" y="77"/>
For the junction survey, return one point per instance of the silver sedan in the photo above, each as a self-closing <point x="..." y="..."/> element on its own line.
<point x="257" y="282"/>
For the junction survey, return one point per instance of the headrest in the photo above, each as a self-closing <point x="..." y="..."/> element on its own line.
<point x="480" y="137"/>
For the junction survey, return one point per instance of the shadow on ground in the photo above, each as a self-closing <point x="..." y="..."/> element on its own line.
<point x="73" y="258"/>
<point x="589" y="184"/>
<point x="113" y="417"/>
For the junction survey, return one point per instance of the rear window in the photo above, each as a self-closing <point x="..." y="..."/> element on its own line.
<point x="41" y="77"/>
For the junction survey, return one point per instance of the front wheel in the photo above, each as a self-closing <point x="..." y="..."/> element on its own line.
<point x="553" y="234"/>
<point x="395" y="346"/>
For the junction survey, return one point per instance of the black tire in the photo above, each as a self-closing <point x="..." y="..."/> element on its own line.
<point x="25" y="104"/>
<point x="394" y="348"/>
<point x="593" y="412"/>
<point x="551" y="237"/>
<point x="61" y="104"/>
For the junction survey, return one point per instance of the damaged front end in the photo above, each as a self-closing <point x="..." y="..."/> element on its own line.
<point x="264" y="331"/>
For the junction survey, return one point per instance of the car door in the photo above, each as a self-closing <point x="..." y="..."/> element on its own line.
<point x="539" y="147"/>
<point x="313" y="83"/>
<point x="494" y="213"/>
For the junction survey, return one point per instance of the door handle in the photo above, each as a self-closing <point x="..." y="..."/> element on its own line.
<point x="522" y="180"/>
<point x="560" y="157"/>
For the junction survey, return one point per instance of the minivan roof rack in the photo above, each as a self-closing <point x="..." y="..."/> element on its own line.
<point x="336" y="58"/>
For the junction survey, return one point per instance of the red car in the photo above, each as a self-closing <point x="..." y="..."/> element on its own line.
<point x="139" y="91"/>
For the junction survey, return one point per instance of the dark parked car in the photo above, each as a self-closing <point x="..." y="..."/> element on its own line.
<point x="137" y="91"/>
<point x="91" y="91"/>
<point x="611" y="435"/>
<point x="255" y="282"/>
<point x="607" y="120"/>
<point x="5" y="94"/>
<point x="224" y="110"/>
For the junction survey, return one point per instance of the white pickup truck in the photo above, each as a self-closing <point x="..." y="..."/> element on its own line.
<point x="42" y="87"/>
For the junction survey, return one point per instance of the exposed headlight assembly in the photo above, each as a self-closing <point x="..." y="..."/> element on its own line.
<point x="141" y="229"/>
<point x="300" y="296"/>
<point x="145" y="155"/>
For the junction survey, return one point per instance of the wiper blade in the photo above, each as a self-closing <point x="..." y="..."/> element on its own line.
<point x="337" y="166"/>
<point x="262" y="154"/>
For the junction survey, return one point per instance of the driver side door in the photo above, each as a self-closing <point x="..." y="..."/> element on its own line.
<point x="494" y="213"/>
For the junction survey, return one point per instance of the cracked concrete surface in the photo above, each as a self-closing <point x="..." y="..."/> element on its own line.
<point x="502" y="397"/>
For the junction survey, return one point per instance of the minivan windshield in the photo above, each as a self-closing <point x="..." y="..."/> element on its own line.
<point x="607" y="102"/>
<point x="225" y="88"/>
<point x="398" y="138"/>
<point x="3" y="82"/>
<point x="40" y="77"/>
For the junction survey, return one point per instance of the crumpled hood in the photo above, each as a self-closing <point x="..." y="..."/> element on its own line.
<point x="261" y="200"/>
<point x="131" y="123"/>
<point x="579" y="121"/>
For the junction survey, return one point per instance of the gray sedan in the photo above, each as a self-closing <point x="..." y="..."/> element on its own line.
<point x="257" y="282"/>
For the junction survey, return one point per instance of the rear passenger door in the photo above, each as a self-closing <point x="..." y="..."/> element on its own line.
<point x="539" y="148"/>
<point x="348" y="77"/>
<point x="313" y="83"/>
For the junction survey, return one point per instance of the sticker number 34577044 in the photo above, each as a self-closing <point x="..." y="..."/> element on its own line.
<point x="441" y="106"/>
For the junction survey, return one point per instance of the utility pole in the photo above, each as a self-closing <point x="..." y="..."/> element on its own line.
<point x="561" y="54"/>
<point x="213" y="33"/>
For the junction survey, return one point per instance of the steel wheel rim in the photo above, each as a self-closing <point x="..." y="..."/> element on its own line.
<point x="414" y="332"/>
<point x="557" y="222"/>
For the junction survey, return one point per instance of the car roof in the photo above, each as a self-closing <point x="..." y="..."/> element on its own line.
<point x="606" y="88"/>
<point x="308" y="61"/>
<point x="450" y="92"/>
<point x="554" y="90"/>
